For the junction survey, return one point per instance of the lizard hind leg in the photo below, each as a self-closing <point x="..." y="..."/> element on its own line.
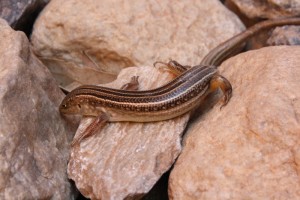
<point x="221" y="82"/>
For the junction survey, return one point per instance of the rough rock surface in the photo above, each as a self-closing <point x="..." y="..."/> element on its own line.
<point x="282" y="35"/>
<point x="33" y="137"/>
<point x="21" y="13"/>
<point x="93" y="45"/>
<point x="286" y="35"/>
<point x="270" y="9"/>
<point x="124" y="160"/>
<point x="249" y="149"/>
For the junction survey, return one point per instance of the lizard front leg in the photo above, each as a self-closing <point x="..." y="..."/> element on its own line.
<point x="133" y="85"/>
<point x="173" y="67"/>
<point x="102" y="119"/>
<point x="97" y="124"/>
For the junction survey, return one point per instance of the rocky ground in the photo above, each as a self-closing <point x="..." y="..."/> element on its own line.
<point x="246" y="150"/>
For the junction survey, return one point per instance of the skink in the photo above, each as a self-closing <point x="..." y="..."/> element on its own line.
<point x="181" y="95"/>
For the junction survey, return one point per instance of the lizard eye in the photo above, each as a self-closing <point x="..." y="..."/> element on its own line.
<point x="64" y="105"/>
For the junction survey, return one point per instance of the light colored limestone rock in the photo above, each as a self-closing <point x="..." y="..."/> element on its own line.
<point x="250" y="148"/>
<point x="33" y="137"/>
<point x="124" y="160"/>
<point x="91" y="41"/>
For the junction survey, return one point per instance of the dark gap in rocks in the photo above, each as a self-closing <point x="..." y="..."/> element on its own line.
<point x="160" y="189"/>
<point x="81" y="197"/>
<point x="21" y="14"/>
<point x="28" y="17"/>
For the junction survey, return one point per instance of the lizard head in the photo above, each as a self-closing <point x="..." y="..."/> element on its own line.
<point x="69" y="106"/>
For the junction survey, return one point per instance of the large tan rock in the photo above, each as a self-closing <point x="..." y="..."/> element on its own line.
<point x="91" y="41"/>
<point x="124" y="160"/>
<point x="250" y="148"/>
<point x="33" y="137"/>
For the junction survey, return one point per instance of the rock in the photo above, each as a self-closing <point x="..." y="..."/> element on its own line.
<point x="286" y="35"/>
<point x="124" y="160"/>
<point x="93" y="45"/>
<point x="281" y="35"/>
<point x="270" y="9"/>
<point x="249" y="149"/>
<point x="34" y="139"/>
<point x="232" y="6"/>
<point x="252" y="12"/>
<point x="20" y="14"/>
